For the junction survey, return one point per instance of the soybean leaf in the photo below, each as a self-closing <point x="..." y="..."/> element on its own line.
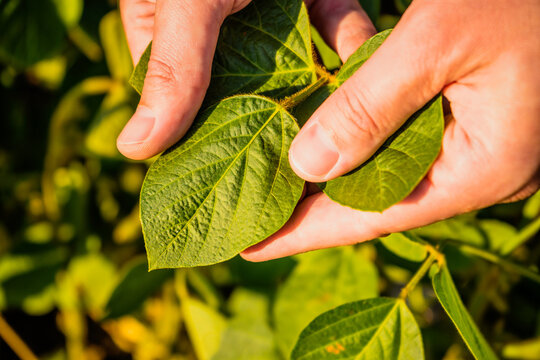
<point x="451" y="302"/>
<point x="135" y="287"/>
<point x="329" y="57"/>
<point x="380" y="328"/>
<point x="263" y="49"/>
<point x="397" y="167"/>
<point x="321" y="281"/>
<point x="400" y="163"/>
<point x="31" y="31"/>
<point x="227" y="185"/>
<point x="405" y="245"/>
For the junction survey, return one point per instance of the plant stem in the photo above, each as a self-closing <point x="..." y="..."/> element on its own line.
<point x="486" y="255"/>
<point x="526" y="233"/>
<point x="295" y="99"/>
<point x="434" y="255"/>
<point x="14" y="341"/>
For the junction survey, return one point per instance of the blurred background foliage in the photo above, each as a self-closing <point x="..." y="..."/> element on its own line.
<point x="73" y="272"/>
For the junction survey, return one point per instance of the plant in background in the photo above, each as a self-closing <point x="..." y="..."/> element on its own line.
<point x="73" y="276"/>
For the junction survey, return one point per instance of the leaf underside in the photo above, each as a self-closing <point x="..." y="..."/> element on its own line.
<point x="379" y="328"/>
<point x="226" y="187"/>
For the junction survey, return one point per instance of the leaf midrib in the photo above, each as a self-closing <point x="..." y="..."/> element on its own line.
<point x="214" y="188"/>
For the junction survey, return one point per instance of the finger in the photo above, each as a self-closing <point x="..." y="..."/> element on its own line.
<point x="401" y="76"/>
<point x="138" y="19"/>
<point x="434" y="199"/>
<point x="184" y="40"/>
<point x="343" y="24"/>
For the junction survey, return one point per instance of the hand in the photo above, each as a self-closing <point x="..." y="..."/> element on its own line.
<point x="483" y="56"/>
<point x="184" y="34"/>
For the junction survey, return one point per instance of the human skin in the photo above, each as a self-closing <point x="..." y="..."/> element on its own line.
<point x="482" y="55"/>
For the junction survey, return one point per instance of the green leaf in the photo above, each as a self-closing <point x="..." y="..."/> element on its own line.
<point x="322" y="280"/>
<point x="113" y="114"/>
<point x="31" y="31"/>
<point x="248" y="334"/>
<point x="451" y="302"/>
<point x="329" y="57"/>
<point x="405" y="245"/>
<point x="70" y="11"/>
<point x="135" y="287"/>
<point x="380" y="328"/>
<point x="397" y="166"/>
<point x="227" y="185"/>
<point x="115" y="46"/>
<point x="263" y="49"/>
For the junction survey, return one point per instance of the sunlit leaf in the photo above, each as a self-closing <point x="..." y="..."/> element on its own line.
<point x="451" y="302"/>
<point x="321" y="281"/>
<point x="227" y="186"/>
<point x="115" y="46"/>
<point x="266" y="54"/>
<point x="70" y="11"/>
<point x="381" y="328"/>
<point x="405" y="245"/>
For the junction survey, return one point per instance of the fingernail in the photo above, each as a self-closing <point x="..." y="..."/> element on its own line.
<point x="138" y="128"/>
<point x="313" y="152"/>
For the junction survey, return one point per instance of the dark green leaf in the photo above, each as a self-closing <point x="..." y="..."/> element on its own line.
<point x="380" y="328"/>
<point x="263" y="49"/>
<point x="226" y="186"/>
<point x="31" y="31"/>
<point x="405" y="245"/>
<point x="451" y="302"/>
<point x="136" y="286"/>
<point x="321" y="281"/>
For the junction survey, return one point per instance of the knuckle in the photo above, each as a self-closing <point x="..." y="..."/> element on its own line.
<point x="161" y="73"/>
<point x="356" y="116"/>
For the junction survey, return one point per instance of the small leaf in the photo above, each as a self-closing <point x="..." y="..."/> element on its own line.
<point x="70" y="11"/>
<point x="113" y="114"/>
<point x="401" y="162"/>
<point x="405" y="245"/>
<point x="380" y="328"/>
<point x="263" y="49"/>
<point x="115" y="46"/>
<point x="135" y="287"/>
<point x="322" y="280"/>
<point x="451" y="302"/>
<point x="226" y="186"/>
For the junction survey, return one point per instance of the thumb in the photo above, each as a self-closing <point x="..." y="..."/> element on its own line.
<point x="371" y="105"/>
<point x="184" y="40"/>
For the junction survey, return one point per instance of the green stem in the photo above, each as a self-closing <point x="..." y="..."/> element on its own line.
<point x="486" y="255"/>
<point x="297" y="98"/>
<point x="14" y="341"/>
<point x="526" y="233"/>
<point x="433" y="256"/>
